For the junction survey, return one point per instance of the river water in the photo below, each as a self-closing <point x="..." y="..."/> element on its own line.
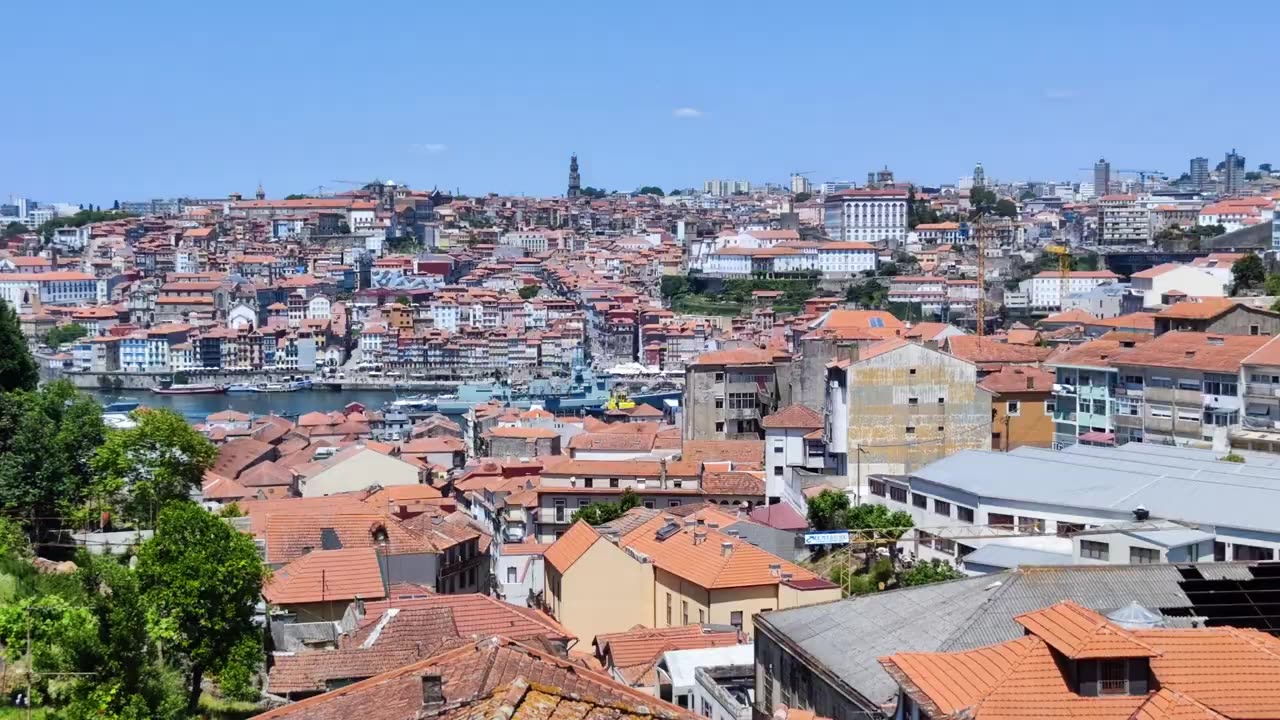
<point x="196" y="408"/>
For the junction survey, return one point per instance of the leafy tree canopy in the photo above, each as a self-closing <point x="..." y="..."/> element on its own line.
<point x="529" y="292"/>
<point x="603" y="512"/>
<point x="201" y="579"/>
<point x="17" y="368"/>
<point x="923" y="573"/>
<point x="802" y="197"/>
<point x="650" y="190"/>
<point x="1248" y="272"/>
<point x="827" y="510"/>
<point x="162" y="459"/>
<point x="14" y="229"/>
<point x="64" y="334"/>
<point x="673" y="285"/>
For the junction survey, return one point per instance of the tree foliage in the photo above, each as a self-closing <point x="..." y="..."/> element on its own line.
<point x="14" y="229"/>
<point x="529" y="292"/>
<point x="878" y="520"/>
<point x="162" y="459"/>
<point x="591" y="192"/>
<point x="602" y="512"/>
<point x="673" y="285"/>
<point x="1248" y="272"/>
<point x="48" y="438"/>
<point x="200" y="579"/>
<point x="1006" y="208"/>
<point x="80" y="219"/>
<point x="982" y="201"/>
<point x="802" y="197"/>
<point x="923" y="573"/>
<point x="64" y="334"/>
<point x="296" y="196"/>
<point x="17" y="368"/>
<point x="650" y="190"/>
<point x="827" y="510"/>
<point x="869" y="294"/>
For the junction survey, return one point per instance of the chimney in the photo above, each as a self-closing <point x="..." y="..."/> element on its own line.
<point x="432" y="692"/>
<point x="726" y="548"/>
<point x="775" y="569"/>
<point x="699" y="536"/>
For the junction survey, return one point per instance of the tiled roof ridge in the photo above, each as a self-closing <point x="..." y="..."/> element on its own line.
<point x="1028" y="644"/>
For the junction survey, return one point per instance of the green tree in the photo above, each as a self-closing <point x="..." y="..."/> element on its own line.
<point x="982" y="201"/>
<point x="827" y="510"/>
<point x="1265" y="167"/>
<point x="201" y="579"/>
<point x="1252" y="175"/>
<point x="1248" y="272"/>
<point x="403" y="300"/>
<point x="802" y="197"/>
<point x="64" y="334"/>
<point x="18" y="369"/>
<point x="529" y="292"/>
<point x="296" y="196"/>
<point x="1026" y="195"/>
<point x="48" y="438"/>
<point x="1006" y="208"/>
<point x="160" y="460"/>
<point x="1273" y="284"/>
<point x="15" y="229"/>
<point x="673" y="285"/>
<point x="923" y="573"/>
<point x="591" y="192"/>
<point x="650" y="190"/>
<point x="881" y="523"/>
<point x="603" y="512"/>
<point x="888" y="269"/>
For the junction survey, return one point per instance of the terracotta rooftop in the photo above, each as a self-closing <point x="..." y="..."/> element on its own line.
<point x="740" y="356"/>
<point x="491" y="678"/>
<point x="326" y="576"/>
<point x="1203" y="310"/>
<point x="732" y="483"/>
<point x="987" y="351"/>
<point x="565" y="551"/>
<point x="1201" y="673"/>
<point x="1019" y="379"/>
<point x="237" y="455"/>
<point x="737" y="451"/>
<point x="793" y="417"/>
<point x="1207" y="352"/>
<point x="1072" y="316"/>
<point x="289" y="535"/>
<point x="634" y="654"/>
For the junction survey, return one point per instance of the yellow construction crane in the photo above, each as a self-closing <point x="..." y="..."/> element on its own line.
<point x="1064" y="270"/>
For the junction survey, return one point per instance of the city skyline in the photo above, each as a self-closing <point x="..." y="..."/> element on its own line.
<point x="499" y="101"/>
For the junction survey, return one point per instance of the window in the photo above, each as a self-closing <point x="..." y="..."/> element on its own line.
<point x="1113" y="677"/>
<point x="1031" y="525"/>
<point x="1189" y="384"/>
<point x="720" y="427"/>
<point x="1066" y="529"/>
<point x="1013" y="407"/>
<point x="777" y="470"/>
<point x="668" y="609"/>
<point x="613" y="482"/>
<point x="719" y="402"/>
<point x="911" y="431"/>
<point x="583" y="502"/>
<point x="1160" y="382"/>
<point x="735" y="619"/>
<point x="706" y="708"/>
<point x="942" y="401"/>
<point x="913" y="402"/>
<point x="778" y="445"/>
<point x="648" y="504"/>
<point x="1216" y="384"/>
<point x="1099" y="407"/>
<point x="1133" y="380"/>
<point x="684" y="612"/>
<point x="1160" y="411"/>
<point x="1250" y="552"/>
<point x="1219" y="551"/>
<point x="673" y="503"/>
<point x="1254" y="330"/>
<point x="1000" y="520"/>
<point x="1143" y="556"/>
<point x="944" y="545"/>
<point x="702" y="616"/>
<point x="1095" y="550"/>
<point x="719" y="377"/>
<point x="912" y="371"/>
<point x="919" y="500"/>
<point x="511" y="574"/>
<point x="677" y="484"/>
<point x="897" y="494"/>
<point x="878" y="488"/>
<point x="559" y="505"/>
<point x="964" y="514"/>
<point x="942" y="507"/>
<point x="1189" y="414"/>
<point x="942" y="429"/>
<point x="1048" y="406"/>
<point x="589" y="482"/>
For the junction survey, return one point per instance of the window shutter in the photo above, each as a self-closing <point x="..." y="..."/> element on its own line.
<point x="1087" y="672"/>
<point x="1139" y="672"/>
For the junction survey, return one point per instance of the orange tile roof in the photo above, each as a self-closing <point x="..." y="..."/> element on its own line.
<point x="698" y="555"/>
<point x="1207" y="352"/>
<point x="1074" y="315"/>
<point x="737" y="451"/>
<point x="732" y="483"/>
<point x="1217" y="672"/>
<point x="1132" y="321"/>
<point x="572" y="545"/>
<point x="635" y="652"/>
<point x="986" y="350"/>
<point x="1019" y="380"/>
<point x="796" y="417"/>
<point x="740" y="356"/>
<point x="1268" y="354"/>
<point x="1202" y="310"/>
<point x="326" y="575"/>
<point x="288" y="535"/>
<point x="1082" y="634"/>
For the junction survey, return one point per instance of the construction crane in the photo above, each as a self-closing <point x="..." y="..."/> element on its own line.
<point x="1064" y="270"/>
<point x="866" y="539"/>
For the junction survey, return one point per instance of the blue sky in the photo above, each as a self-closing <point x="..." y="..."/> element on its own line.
<point x="147" y="99"/>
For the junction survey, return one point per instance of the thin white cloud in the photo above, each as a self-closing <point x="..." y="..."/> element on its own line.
<point x="1060" y="94"/>
<point x="687" y="112"/>
<point x="430" y="148"/>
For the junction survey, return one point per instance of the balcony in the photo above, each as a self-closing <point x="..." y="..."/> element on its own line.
<point x="1063" y="416"/>
<point x="1127" y="421"/>
<point x="1262" y="390"/>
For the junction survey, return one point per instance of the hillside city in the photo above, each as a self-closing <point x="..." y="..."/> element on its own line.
<point x="872" y="448"/>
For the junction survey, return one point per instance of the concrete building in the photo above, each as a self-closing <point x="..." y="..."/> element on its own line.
<point x="1021" y="407"/>
<point x="522" y="442"/>
<point x="519" y="573"/>
<point x="1102" y="177"/>
<point x="1199" y="173"/>
<point x="1123" y="221"/>
<point x="666" y="572"/>
<point x="800" y="184"/>
<point x="1223" y="316"/>
<point x="1085" y="392"/>
<point x="728" y="392"/>
<point x="1154" y="284"/>
<point x="871" y="216"/>
<point x="901" y="405"/>
<point x="1045" y="290"/>
<point x="795" y="444"/>
<point x="1233" y="173"/>
<point x="1260" y="380"/>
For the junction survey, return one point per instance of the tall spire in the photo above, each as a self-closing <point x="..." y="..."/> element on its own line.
<point x="575" y="180"/>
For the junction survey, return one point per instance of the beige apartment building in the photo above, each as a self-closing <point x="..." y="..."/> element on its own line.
<point x="657" y="570"/>
<point x="728" y="392"/>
